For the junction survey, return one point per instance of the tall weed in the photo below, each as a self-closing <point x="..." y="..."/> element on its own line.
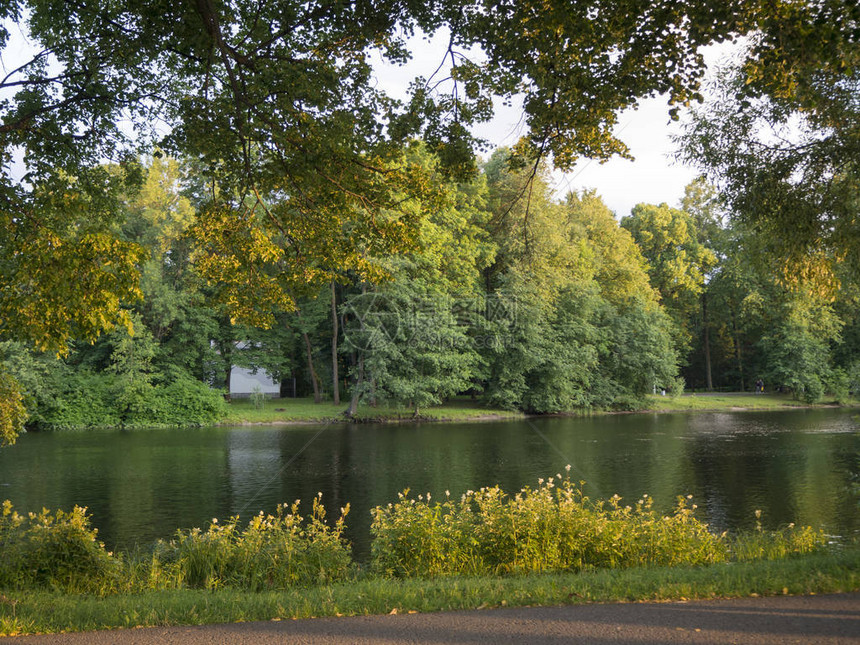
<point x="554" y="527"/>
<point x="273" y="552"/>
<point x="56" y="550"/>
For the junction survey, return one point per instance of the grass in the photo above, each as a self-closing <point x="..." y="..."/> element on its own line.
<point x="727" y="401"/>
<point x="305" y="410"/>
<point x="48" y="612"/>
<point x="274" y="411"/>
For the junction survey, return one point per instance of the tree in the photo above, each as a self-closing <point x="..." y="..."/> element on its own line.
<point x="677" y="262"/>
<point x="280" y="101"/>
<point x="706" y="206"/>
<point x="620" y="270"/>
<point x="574" y="306"/>
<point x="787" y="159"/>
<point x="635" y="339"/>
<point x="412" y="332"/>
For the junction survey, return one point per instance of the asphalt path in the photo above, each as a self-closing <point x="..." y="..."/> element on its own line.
<point x="778" y="620"/>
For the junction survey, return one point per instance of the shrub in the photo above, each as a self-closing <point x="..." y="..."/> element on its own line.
<point x="54" y="551"/>
<point x="258" y="398"/>
<point x="553" y="527"/>
<point x="186" y="401"/>
<point x="273" y="552"/>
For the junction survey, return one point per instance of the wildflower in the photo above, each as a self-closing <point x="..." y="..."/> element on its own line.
<point x="447" y="493"/>
<point x="214" y="520"/>
<point x="758" y="514"/>
<point x="567" y="468"/>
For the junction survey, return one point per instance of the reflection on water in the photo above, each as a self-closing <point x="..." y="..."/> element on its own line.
<point x="796" y="466"/>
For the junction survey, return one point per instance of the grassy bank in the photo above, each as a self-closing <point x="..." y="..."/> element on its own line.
<point x="47" y="612"/>
<point x="243" y="411"/>
<point x="287" y="411"/>
<point x="729" y="401"/>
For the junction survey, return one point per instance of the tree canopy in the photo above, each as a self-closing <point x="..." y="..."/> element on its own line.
<point x="278" y="106"/>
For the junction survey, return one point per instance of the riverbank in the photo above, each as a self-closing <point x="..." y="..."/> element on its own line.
<point x="305" y="411"/>
<point x="45" y="612"/>
<point x="733" y="402"/>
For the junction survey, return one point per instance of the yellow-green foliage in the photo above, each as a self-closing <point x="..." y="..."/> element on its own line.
<point x="54" y="551"/>
<point x="273" y="552"/>
<point x="774" y="545"/>
<point x="553" y="527"/>
<point x="13" y="414"/>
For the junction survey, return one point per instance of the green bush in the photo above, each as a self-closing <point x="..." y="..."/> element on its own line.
<point x="54" y="551"/>
<point x="551" y="528"/>
<point x="186" y="401"/>
<point x="85" y="400"/>
<point x="273" y="552"/>
<point x="90" y="400"/>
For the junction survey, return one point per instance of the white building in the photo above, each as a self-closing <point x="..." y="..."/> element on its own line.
<point x="244" y="383"/>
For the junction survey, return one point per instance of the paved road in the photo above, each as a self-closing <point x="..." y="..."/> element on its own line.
<point x="754" y="621"/>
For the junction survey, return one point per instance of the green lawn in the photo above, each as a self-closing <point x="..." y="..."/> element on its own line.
<point x="724" y="401"/>
<point x="305" y="410"/>
<point x="50" y="612"/>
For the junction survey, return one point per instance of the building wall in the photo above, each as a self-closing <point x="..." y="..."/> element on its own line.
<point x="242" y="383"/>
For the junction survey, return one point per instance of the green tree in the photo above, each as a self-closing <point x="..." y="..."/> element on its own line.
<point x="677" y="261"/>
<point x="412" y="332"/>
<point x="281" y="100"/>
<point x="785" y="153"/>
<point x="636" y="350"/>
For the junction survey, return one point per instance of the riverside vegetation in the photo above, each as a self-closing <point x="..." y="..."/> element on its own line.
<point x="548" y="307"/>
<point x="552" y="528"/>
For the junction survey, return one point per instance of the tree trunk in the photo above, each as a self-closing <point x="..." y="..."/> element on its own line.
<point x="737" y="339"/>
<point x="353" y="402"/>
<point x="334" y="377"/>
<point x="314" y="379"/>
<point x="709" y="383"/>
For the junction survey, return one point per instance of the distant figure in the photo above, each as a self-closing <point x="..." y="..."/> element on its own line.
<point x="759" y="387"/>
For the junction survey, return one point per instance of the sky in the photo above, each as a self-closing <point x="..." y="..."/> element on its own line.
<point x="652" y="177"/>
